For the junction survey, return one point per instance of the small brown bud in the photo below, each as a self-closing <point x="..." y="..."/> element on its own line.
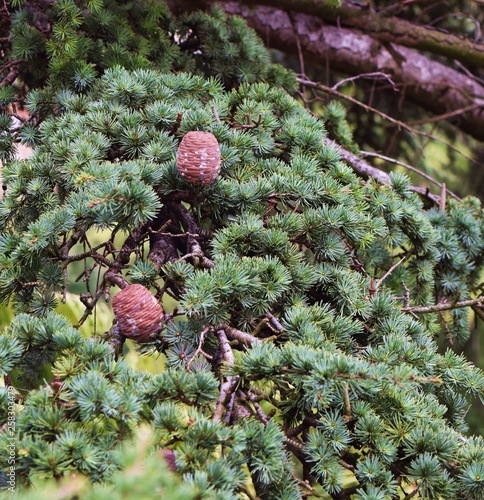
<point x="138" y="314"/>
<point x="198" y="158"/>
<point x="169" y="457"/>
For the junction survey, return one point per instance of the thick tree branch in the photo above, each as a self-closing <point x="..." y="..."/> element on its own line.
<point x="430" y="84"/>
<point x="385" y="28"/>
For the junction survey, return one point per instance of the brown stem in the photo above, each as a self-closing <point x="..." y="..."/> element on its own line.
<point x="386" y="29"/>
<point x="413" y="169"/>
<point x="446" y="306"/>
<point x="389" y="272"/>
<point x="199" y="348"/>
<point x="228" y="385"/>
<point x="431" y="84"/>
<point x="245" y="338"/>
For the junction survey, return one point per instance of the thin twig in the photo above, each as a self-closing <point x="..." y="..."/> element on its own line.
<point x="204" y="330"/>
<point x="447" y="306"/>
<point x="275" y="322"/>
<point x="409" y="167"/>
<point x="374" y="75"/>
<point x="230" y="408"/>
<point x="204" y="261"/>
<point x="299" y="49"/>
<point x="410" y="495"/>
<point x="262" y="323"/>
<point x="331" y="90"/>
<point x="407" y="294"/>
<point x="443" y="196"/>
<point x="450" y="114"/>
<point x="258" y="409"/>
<point x="346" y="465"/>
<point x="399" y="124"/>
<point x="477" y="34"/>
<point x="390" y="271"/>
<point x="215" y="114"/>
<point x="89" y="306"/>
<point x="468" y="73"/>
<point x="347" y="402"/>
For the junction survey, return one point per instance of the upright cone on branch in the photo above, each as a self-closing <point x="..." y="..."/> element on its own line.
<point x="198" y="158"/>
<point x="138" y="314"/>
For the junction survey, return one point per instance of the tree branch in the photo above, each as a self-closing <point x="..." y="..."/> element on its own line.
<point x="229" y="383"/>
<point x="389" y="272"/>
<point x="443" y="306"/>
<point x="429" y="83"/>
<point x="413" y="169"/>
<point x="366" y="170"/>
<point x="360" y="166"/>
<point x="385" y="28"/>
<point x="245" y="338"/>
<point x="398" y="123"/>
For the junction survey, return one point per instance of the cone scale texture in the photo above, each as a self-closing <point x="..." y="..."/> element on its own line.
<point x="138" y="313"/>
<point x="198" y="158"/>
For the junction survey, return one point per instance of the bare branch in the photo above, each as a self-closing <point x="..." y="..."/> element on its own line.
<point x="443" y="197"/>
<point x="245" y="338"/>
<point x="389" y="272"/>
<point x="398" y="123"/>
<point x="205" y="329"/>
<point x="374" y="75"/>
<point x="384" y="28"/>
<point x="409" y="167"/>
<point x="445" y="116"/>
<point x="275" y="322"/>
<point x="360" y="165"/>
<point x="229" y="383"/>
<point x="366" y="170"/>
<point x="443" y="306"/>
<point x="258" y="409"/>
<point x="427" y="82"/>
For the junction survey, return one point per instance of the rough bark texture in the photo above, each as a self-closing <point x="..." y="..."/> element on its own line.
<point x="384" y="27"/>
<point x="435" y="86"/>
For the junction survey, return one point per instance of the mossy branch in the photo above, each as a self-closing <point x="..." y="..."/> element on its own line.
<point x="387" y="29"/>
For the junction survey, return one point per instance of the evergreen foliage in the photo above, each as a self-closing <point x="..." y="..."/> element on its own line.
<point x="298" y="349"/>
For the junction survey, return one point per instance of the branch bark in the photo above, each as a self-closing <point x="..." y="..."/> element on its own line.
<point x="385" y="28"/>
<point x="445" y="306"/>
<point x="430" y="84"/>
<point x="229" y="381"/>
<point x="361" y="167"/>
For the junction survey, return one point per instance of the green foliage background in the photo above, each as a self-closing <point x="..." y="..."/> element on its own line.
<point x="336" y="375"/>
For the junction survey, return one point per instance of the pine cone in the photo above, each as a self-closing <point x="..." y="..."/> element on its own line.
<point x="198" y="158"/>
<point x="138" y="314"/>
<point x="170" y="459"/>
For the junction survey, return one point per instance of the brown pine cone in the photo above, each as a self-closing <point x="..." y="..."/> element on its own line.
<point x="198" y="158"/>
<point x="138" y="314"/>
